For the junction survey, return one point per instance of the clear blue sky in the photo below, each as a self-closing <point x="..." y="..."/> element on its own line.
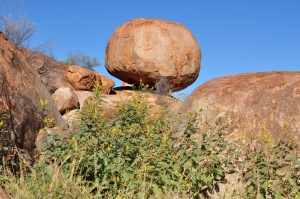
<point x="235" y="36"/>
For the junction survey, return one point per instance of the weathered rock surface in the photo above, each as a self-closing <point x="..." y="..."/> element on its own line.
<point x="3" y="195"/>
<point x="45" y="133"/>
<point x="50" y="71"/>
<point x="80" y="78"/>
<point x="106" y="83"/>
<point x="149" y="49"/>
<point x="258" y="102"/>
<point x="123" y="95"/>
<point x="83" y="96"/>
<point x="65" y="99"/>
<point x="84" y="79"/>
<point x="20" y="94"/>
<point x="72" y="118"/>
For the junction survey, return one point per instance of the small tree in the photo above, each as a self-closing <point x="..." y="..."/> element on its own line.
<point x="80" y="59"/>
<point x="18" y="31"/>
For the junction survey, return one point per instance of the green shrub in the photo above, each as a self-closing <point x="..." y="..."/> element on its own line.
<point x="135" y="152"/>
<point x="146" y="152"/>
<point x="269" y="169"/>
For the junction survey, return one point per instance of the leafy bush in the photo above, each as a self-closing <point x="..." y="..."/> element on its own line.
<point x="135" y="152"/>
<point x="143" y="152"/>
<point x="269" y="169"/>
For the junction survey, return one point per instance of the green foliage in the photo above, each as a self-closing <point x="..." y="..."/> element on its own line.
<point x="80" y="59"/>
<point x="269" y="169"/>
<point x="135" y="152"/>
<point x="4" y="136"/>
<point x="142" y="151"/>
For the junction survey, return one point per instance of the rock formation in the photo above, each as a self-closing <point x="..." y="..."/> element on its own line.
<point x="20" y="94"/>
<point x="65" y="99"/>
<point x="149" y="49"/>
<point x="82" y="96"/>
<point x="80" y="78"/>
<point x="258" y="102"/>
<point x="124" y="95"/>
<point x="106" y="83"/>
<point x="50" y="71"/>
<point x="84" y="79"/>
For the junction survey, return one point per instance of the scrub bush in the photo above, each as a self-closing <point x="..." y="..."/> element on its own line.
<point x="135" y="151"/>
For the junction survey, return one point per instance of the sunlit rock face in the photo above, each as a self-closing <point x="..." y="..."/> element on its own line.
<point x="266" y="102"/>
<point x="21" y="93"/>
<point x="149" y="49"/>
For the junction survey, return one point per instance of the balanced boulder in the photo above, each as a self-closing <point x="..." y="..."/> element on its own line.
<point x="150" y="49"/>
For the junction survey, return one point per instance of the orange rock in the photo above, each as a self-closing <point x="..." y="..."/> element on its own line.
<point x="123" y="96"/>
<point x="268" y="101"/>
<point x="65" y="99"/>
<point x="106" y="83"/>
<point x="80" y="78"/>
<point x="50" y="71"/>
<point x="21" y="90"/>
<point x="149" y="49"/>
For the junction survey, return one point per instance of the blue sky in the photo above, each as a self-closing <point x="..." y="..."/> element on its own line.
<point x="235" y="36"/>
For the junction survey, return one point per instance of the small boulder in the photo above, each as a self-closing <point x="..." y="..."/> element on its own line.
<point x="72" y="118"/>
<point x="65" y="99"/>
<point x="106" y="83"/>
<point x="150" y="49"/>
<point x="82" y="96"/>
<point x="80" y="78"/>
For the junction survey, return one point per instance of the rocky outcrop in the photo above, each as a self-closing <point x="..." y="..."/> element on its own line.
<point x="20" y="93"/>
<point x="268" y="102"/>
<point x="150" y="49"/>
<point x="72" y="118"/>
<point x="84" y="79"/>
<point x="45" y="133"/>
<point x="83" y="96"/>
<point x="106" y="83"/>
<point x="124" y="95"/>
<point x="50" y="71"/>
<point x="3" y="195"/>
<point x="80" y="78"/>
<point x="65" y="99"/>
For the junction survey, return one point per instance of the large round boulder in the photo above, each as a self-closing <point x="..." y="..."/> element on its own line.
<point x="153" y="50"/>
<point x="258" y="103"/>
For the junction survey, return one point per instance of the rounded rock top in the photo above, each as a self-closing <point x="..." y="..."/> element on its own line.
<point x="157" y="52"/>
